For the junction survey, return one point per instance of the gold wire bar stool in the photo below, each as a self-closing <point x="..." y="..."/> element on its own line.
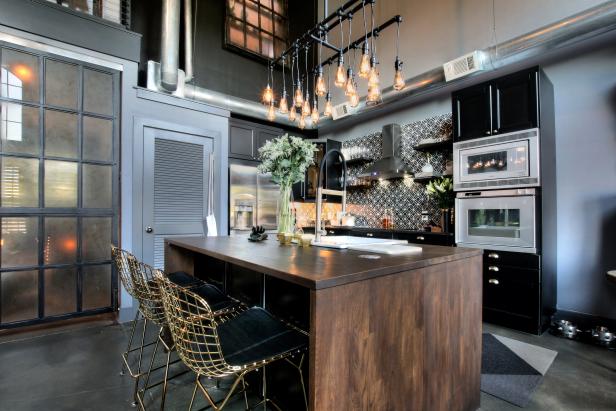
<point x="214" y="348"/>
<point x="125" y="263"/>
<point x="150" y="298"/>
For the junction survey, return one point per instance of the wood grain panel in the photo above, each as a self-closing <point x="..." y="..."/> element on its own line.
<point x="409" y="341"/>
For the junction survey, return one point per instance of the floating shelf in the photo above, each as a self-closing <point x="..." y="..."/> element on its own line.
<point x="427" y="179"/>
<point x="436" y="146"/>
<point x="359" y="160"/>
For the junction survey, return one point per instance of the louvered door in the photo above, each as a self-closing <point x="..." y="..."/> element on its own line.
<point x="175" y="188"/>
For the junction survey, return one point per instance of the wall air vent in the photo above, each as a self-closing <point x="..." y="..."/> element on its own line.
<point x="341" y="111"/>
<point x="463" y="66"/>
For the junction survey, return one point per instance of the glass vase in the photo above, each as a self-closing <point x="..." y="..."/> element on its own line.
<point x="285" y="212"/>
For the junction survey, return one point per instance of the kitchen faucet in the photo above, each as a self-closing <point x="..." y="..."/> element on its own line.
<point x="321" y="191"/>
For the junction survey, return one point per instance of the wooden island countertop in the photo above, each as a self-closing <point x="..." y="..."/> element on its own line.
<point x="315" y="267"/>
<point x="402" y="332"/>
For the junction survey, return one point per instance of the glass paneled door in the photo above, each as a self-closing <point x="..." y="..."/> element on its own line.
<point x="58" y="187"/>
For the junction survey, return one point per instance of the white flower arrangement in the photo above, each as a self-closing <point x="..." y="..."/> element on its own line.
<point x="286" y="158"/>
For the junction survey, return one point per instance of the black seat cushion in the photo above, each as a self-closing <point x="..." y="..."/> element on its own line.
<point x="255" y="335"/>
<point x="216" y="299"/>
<point x="183" y="279"/>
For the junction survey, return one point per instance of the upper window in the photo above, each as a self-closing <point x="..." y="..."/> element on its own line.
<point x="258" y="26"/>
<point x="117" y="11"/>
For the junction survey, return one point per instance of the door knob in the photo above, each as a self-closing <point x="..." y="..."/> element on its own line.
<point x="148" y="229"/>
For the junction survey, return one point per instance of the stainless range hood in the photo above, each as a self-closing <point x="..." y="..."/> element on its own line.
<point x="390" y="165"/>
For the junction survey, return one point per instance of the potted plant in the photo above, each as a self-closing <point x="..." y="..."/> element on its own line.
<point x="286" y="158"/>
<point x="441" y="190"/>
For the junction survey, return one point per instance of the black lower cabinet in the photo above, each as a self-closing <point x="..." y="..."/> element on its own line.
<point x="512" y="291"/>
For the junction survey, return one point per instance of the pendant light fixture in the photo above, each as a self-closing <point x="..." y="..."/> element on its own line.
<point x="306" y="110"/>
<point x="399" y="82"/>
<point x="349" y="88"/>
<point x="327" y="112"/>
<point x="340" y="78"/>
<point x="320" y="89"/>
<point x="283" y="107"/>
<point x="299" y="95"/>
<point x="364" y="65"/>
<point x="296" y="102"/>
<point x="268" y="93"/>
<point x="315" y="113"/>
<point x="271" y="112"/>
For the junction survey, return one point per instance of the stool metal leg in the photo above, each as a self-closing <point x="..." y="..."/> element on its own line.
<point x="130" y="341"/>
<point x="145" y="324"/>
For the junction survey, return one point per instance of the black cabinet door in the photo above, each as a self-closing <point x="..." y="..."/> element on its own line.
<point x="512" y="289"/>
<point x="262" y="138"/>
<point x="516" y="102"/>
<point x="472" y="112"/>
<point x="298" y="191"/>
<point x="241" y="142"/>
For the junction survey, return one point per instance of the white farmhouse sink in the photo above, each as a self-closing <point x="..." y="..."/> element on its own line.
<point x="347" y="241"/>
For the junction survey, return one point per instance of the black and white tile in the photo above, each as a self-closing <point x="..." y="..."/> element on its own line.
<point x="402" y="198"/>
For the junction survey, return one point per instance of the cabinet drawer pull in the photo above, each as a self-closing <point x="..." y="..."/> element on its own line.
<point x="488" y="132"/>
<point x="420" y="237"/>
<point x="493" y="268"/>
<point x="369" y="235"/>
<point x="493" y="281"/>
<point x="332" y="232"/>
<point x="494" y="256"/>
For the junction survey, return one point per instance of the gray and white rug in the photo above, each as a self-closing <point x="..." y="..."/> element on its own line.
<point x="511" y="370"/>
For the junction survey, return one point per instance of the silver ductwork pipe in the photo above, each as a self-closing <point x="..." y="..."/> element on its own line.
<point x="188" y="41"/>
<point x="578" y="27"/>
<point x="234" y="104"/>
<point x="170" y="45"/>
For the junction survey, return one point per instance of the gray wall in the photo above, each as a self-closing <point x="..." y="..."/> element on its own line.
<point x="585" y="108"/>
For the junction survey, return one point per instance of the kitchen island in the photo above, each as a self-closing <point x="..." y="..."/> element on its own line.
<point x="391" y="333"/>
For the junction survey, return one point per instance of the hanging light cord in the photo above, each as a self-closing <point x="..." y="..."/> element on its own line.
<point x="363" y="10"/>
<point x="372" y="29"/>
<point x="341" y="33"/>
<point x="292" y="73"/>
<point x="350" y="34"/>
<point x="397" y="39"/>
<point x="284" y="80"/>
<point x="307" y="76"/>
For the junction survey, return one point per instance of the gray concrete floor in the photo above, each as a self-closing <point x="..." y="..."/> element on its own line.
<point x="78" y="369"/>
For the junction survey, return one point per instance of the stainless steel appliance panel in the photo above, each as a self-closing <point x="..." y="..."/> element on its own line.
<point x="267" y="202"/>
<point x="242" y="196"/>
<point x="498" y="220"/>
<point x="508" y="160"/>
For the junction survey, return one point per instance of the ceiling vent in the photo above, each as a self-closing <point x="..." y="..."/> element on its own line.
<point x="463" y="66"/>
<point x="342" y="110"/>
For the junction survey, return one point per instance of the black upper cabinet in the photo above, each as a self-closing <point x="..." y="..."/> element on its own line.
<point x="245" y="138"/>
<point x="516" y="102"/>
<point x="503" y="105"/>
<point x="472" y="112"/>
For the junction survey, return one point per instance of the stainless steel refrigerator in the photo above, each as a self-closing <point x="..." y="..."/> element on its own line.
<point x="253" y="198"/>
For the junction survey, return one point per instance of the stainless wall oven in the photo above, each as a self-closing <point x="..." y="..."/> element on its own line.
<point x="498" y="220"/>
<point x="506" y="161"/>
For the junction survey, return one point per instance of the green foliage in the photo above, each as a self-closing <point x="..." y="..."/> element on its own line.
<point x="441" y="189"/>
<point x="286" y="158"/>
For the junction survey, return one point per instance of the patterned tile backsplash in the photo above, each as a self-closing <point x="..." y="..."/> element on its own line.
<point x="402" y="198"/>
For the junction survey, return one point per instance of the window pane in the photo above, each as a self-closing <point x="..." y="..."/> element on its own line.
<point x="19" y="242"/>
<point x="252" y="39"/>
<point x="19" y="76"/>
<point x="267" y="45"/>
<point x="279" y="7"/>
<point x="236" y="8"/>
<point x="97" y="139"/>
<point x="97" y="92"/>
<point x="19" y="183"/>
<point x="266" y="3"/>
<point x="19" y="128"/>
<point x="96" y="189"/>
<point x="61" y="84"/>
<point x="60" y="184"/>
<point x="252" y="13"/>
<point x="96" y="286"/>
<point x="281" y="27"/>
<point x="266" y="21"/>
<point x="61" y="134"/>
<point x="60" y="240"/>
<point x="19" y="295"/>
<point x="236" y="32"/>
<point x="60" y="291"/>
<point x="279" y="46"/>
<point x="96" y="238"/>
